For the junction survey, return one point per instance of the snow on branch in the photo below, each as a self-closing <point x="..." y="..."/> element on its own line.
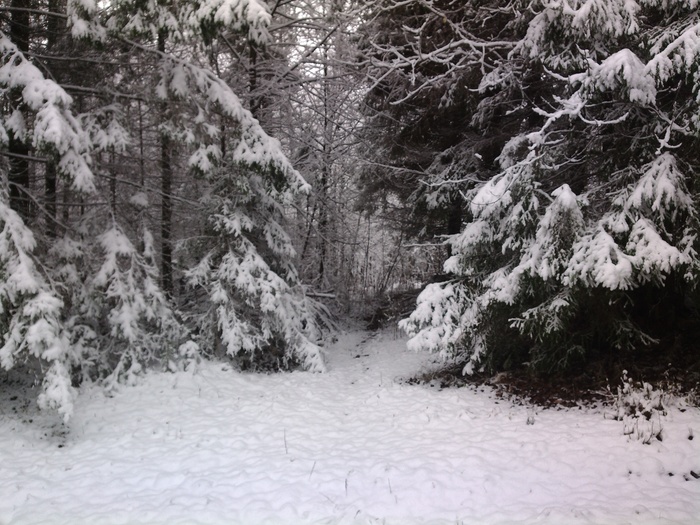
<point x="617" y="17"/>
<point x="438" y="42"/>
<point x="587" y="18"/>
<point x="82" y="19"/>
<point x="598" y="261"/>
<point x="593" y="199"/>
<point x="238" y="15"/>
<point x="142" y="325"/>
<point x="435" y="323"/>
<point x="621" y="70"/>
<point x="181" y="19"/>
<point x="662" y="186"/>
<point x="54" y="126"/>
<point x="255" y="309"/>
<point x="681" y="54"/>
<point x="253" y="147"/>
<point x="651" y="254"/>
<point x="558" y="229"/>
<point x="31" y="314"/>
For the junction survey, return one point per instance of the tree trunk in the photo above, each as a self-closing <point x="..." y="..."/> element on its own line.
<point x="53" y="32"/>
<point x="50" y="195"/>
<point x="18" y="150"/>
<point x="255" y="102"/>
<point x="112" y="180"/>
<point x="166" y="173"/>
<point x="454" y="220"/>
<point x="322" y="221"/>
<point x="325" y="175"/>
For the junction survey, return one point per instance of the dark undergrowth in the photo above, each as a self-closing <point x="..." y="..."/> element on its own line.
<point x="671" y="365"/>
<point x="570" y="391"/>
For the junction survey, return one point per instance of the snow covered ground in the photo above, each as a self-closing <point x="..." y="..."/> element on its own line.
<point x="353" y="446"/>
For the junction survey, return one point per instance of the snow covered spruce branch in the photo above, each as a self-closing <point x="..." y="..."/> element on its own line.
<point x="31" y="315"/>
<point x="32" y="312"/>
<point x="592" y="209"/>
<point x="42" y="116"/>
<point x="435" y="40"/>
<point x="84" y="299"/>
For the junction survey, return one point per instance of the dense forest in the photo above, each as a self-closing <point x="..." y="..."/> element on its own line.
<point x="183" y="180"/>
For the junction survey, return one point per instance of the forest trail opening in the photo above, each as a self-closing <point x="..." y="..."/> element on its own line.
<point x="353" y="446"/>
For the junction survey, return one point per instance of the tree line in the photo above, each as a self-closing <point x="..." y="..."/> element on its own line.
<point x="185" y="179"/>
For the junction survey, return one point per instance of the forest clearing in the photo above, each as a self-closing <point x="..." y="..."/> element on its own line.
<point x="356" y="445"/>
<point x="196" y="196"/>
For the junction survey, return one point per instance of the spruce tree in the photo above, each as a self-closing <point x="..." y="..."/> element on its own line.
<point x="87" y="291"/>
<point x="583" y="246"/>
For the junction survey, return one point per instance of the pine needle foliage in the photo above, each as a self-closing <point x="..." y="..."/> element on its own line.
<point x="583" y="246"/>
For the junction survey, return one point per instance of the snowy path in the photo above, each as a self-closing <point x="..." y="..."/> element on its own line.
<point x="353" y="446"/>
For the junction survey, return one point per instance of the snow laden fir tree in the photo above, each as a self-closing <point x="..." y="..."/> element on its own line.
<point x="583" y="245"/>
<point x="80" y="291"/>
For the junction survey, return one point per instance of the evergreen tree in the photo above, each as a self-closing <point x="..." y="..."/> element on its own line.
<point x="94" y="294"/>
<point x="435" y="134"/>
<point x="31" y="315"/>
<point x="583" y="245"/>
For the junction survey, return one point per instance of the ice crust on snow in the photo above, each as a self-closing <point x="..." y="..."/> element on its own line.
<point x="354" y="446"/>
